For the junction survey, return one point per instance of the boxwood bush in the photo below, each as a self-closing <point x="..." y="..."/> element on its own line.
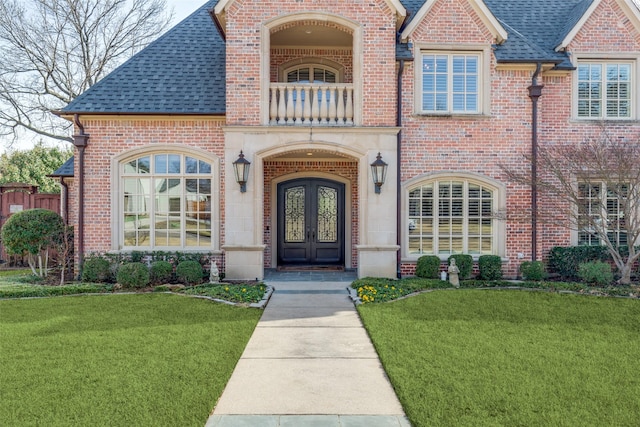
<point x="464" y="263"/>
<point x="532" y="270"/>
<point x="565" y="261"/>
<point x="96" y="270"/>
<point x="161" y="272"/>
<point x="428" y="267"/>
<point x="596" y="273"/>
<point x="490" y="267"/>
<point x="189" y="272"/>
<point x="133" y="275"/>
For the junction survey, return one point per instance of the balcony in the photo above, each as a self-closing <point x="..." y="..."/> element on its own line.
<point x="315" y="104"/>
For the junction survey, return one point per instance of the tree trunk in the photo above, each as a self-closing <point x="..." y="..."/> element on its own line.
<point x="625" y="275"/>
<point x="32" y="264"/>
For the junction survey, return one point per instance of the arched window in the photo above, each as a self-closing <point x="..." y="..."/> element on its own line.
<point x="166" y="202"/>
<point x="450" y="216"/>
<point x="312" y="73"/>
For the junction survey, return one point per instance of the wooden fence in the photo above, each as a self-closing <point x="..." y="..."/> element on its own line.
<point x="19" y="197"/>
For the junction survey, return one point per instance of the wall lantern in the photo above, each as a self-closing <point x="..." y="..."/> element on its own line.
<point x="379" y="172"/>
<point x="241" y="168"/>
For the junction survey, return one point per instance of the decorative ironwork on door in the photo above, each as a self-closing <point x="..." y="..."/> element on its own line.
<point x="327" y="214"/>
<point x="311" y="222"/>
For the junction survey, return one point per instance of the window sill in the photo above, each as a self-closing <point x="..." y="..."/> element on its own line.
<point x="478" y="116"/>
<point x="443" y="258"/>
<point x="604" y="121"/>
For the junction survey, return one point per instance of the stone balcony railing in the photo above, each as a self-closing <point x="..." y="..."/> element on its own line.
<point x="313" y="104"/>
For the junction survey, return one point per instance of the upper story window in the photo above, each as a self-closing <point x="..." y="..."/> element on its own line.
<point x="312" y="73"/>
<point x="450" y="83"/>
<point x="605" y="90"/>
<point x="166" y="202"/>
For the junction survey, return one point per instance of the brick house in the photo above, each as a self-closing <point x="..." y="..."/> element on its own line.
<point x="310" y="92"/>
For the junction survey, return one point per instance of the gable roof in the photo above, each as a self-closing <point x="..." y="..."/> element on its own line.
<point x="534" y="28"/>
<point x="182" y="72"/>
<point x="64" y="171"/>
<point x="583" y="11"/>
<point x="479" y="6"/>
<point x="221" y="7"/>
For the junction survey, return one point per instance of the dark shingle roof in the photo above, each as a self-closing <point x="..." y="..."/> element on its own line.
<point x="183" y="72"/>
<point x="534" y="27"/>
<point x="66" y="170"/>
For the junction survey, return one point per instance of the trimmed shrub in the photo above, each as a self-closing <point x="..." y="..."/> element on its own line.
<point x="565" y="261"/>
<point x="32" y="233"/>
<point x="490" y="267"/>
<point x="532" y="270"/>
<point x="595" y="273"/>
<point x="96" y="270"/>
<point x="133" y="275"/>
<point x="189" y="272"/>
<point x="428" y="267"/>
<point x="161" y="272"/>
<point x="464" y="263"/>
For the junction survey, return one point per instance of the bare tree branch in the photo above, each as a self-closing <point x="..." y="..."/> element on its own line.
<point x="53" y="50"/>
<point x="593" y="187"/>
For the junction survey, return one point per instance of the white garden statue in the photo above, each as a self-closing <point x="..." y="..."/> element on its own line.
<point x="453" y="273"/>
<point x="214" y="273"/>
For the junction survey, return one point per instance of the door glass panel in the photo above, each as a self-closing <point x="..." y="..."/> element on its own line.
<point x="294" y="210"/>
<point x="327" y="214"/>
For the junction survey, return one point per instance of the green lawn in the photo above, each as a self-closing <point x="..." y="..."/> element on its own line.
<point x="511" y="358"/>
<point x="117" y="360"/>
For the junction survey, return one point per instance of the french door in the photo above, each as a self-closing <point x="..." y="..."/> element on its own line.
<point x="311" y="222"/>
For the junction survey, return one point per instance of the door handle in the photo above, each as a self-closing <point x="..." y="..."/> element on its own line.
<point x="313" y="234"/>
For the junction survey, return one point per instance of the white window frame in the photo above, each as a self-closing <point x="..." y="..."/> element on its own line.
<point x="498" y="230"/>
<point x="634" y="97"/>
<point x="482" y="53"/>
<point x="600" y="206"/>
<point x="118" y="176"/>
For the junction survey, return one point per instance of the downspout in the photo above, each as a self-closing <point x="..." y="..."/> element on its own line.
<point x="398" y="167"/>
<point x="535" y="91"/>
<point x="65" y="186"/>
<point x="80" y="141"/>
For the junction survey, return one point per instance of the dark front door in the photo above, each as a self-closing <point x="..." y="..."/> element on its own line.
<point x="310" y="222"/>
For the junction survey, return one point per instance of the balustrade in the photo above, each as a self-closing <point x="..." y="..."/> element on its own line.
<point x="313" y="104"/>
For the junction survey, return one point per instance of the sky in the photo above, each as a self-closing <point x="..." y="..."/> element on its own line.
<point x="181" y="9"/>
<point x="184" y="8"/>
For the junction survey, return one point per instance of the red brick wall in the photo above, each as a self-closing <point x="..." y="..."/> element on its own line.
<point x="344" y="169"/>
<point x="244" y="23"/>
<point x="344" y="57"/>
<point x="110" y="138"/>
<point x="483" y="144"/>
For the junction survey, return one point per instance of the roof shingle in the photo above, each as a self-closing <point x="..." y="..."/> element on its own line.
<point x="183" y="72"/>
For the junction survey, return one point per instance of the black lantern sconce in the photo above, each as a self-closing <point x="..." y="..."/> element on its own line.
<point x="241" y="168"/>
<point x="379" y="172"/>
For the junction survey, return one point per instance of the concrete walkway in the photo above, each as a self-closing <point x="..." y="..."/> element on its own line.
<point x="309" y="363"/>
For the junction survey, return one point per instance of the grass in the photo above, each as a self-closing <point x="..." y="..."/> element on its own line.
<point x="510" y="358"/>
<point x="117" y="360"/>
